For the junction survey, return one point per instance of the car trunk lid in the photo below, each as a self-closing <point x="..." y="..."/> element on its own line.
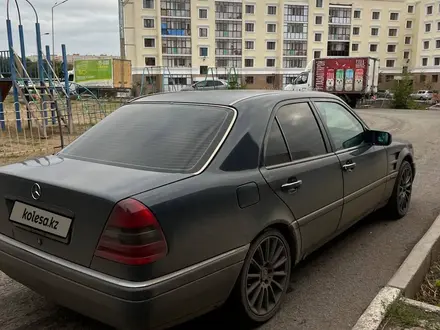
<point x="61" y="205"/>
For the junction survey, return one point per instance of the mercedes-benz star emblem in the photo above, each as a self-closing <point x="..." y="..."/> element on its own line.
<point x="36" y="191"/>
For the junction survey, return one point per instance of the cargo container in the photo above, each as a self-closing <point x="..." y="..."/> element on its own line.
<point x="352" y="78"/>
<point x="102" y="75"/>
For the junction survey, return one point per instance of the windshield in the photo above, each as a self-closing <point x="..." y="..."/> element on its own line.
<point x="158" y="137"/>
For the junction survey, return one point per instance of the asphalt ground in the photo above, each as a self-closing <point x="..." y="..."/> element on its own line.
<point x="331" y="288"/>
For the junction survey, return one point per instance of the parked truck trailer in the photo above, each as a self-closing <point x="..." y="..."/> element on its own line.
<point x="351" y="78"/>
<point x="102" y="75"/>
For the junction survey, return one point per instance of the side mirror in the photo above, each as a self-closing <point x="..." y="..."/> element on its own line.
<point x="379" y="138"/>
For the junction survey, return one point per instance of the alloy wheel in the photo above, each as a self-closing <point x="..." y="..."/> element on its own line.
<point x="404" y="190"/>
<point x="267" y="275"/>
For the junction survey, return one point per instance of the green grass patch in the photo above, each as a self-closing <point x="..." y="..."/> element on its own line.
<point x="401" y="315"/>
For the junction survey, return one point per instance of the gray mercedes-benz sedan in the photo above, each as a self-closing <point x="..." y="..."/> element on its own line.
<point x="177" y="203"/>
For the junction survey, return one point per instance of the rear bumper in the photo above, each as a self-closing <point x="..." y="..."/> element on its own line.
<point x="123" y="304"/>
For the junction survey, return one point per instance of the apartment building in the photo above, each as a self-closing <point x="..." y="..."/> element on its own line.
<point x="268" y="42"/>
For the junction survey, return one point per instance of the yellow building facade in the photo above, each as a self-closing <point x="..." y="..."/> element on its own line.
<point x="268" y="42"/>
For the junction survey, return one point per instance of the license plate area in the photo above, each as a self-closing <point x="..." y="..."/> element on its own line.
<point x="41" y="221"/>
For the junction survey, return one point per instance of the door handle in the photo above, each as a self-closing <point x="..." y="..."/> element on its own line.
<point x="291" y="187"/>
<point x="349" y="166"/>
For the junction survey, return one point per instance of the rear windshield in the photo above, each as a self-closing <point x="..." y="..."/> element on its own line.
<point x="158" y="137"/>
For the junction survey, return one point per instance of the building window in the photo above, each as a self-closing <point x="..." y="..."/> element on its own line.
<point x="319" y="3"/>
<point x="227" y="10"/>
<point x="422" y="78"/>
<point x="249" y="62"/>
<point x="233" y="62"/>
<point x="435" y="78"/>
<point x="249" y="45"/>
<point x="203" y="32"/>
<point x="356" y="31"/>
<point x="317" y="54"/>
<point x="176" y="62"/>
<point x="429" y="10"/>
<point x="318" y="36"/>
<point x="149" y="4"/>
<point x="373" y="48"/>
<point x="295" y="31"/>
<point x="294" y="48"/>
<point x="410" y="9"/>
<point x="389" y="78"/>
<point x="355" y="47"/>
<point x="289" y="63"/>
<point x="270" y="62"/>
<point x="437" y="44"/>
<point x="249" y="80"/>
<point x="203" y="69"/>
<point x="271" y="45"/>
<point x="318" y="20"/>
<point x="149" y="23"/>
<point x="249" y="9"/>
<point x="407" y="40"/>
<point x="409" y="24"/>
<point x="374" y="31"/>
<point x="203" y="51"/>
<point x="149" y="42"/>
<point x="175" y="27"/>
<point x="436" y="60"/>
<point x="375" y="15"/>
<point x="426" y="44"/>
<point x="357" y="14"/>
<point x="270" y="79"/>
<point x="428" y="27"/>
<point x="174" y="8"/>
<point x="424" y="61"/>
<point x="394" y="16"/>
<point x="390" y="63"/>
<point x="392" y="33"/>
<point x="438" y="26"/>
<point x="228" y="47"/>
<point x="271" y="28"/>
<point x="228" y="29"/>
<point x="391" y="48"/>
<point x="406" y="55"/>
<point x="249" y="27"/>
<point x="150" y="61"/>
<point x="296" y="14"/>
<point x="271" y="10"/>
<point x="203" y="13"/>
<point x="339" y="15"/>
<point x="178" y="46"/>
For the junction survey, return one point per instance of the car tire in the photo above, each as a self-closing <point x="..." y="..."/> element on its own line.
<point x="399" y="203"/>
<point x="264" y="279"/>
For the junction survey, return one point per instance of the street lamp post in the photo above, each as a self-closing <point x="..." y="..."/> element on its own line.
<point x="53" y="32"/>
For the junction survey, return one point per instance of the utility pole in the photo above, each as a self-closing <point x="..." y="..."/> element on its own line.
<point x="122" y="28"/>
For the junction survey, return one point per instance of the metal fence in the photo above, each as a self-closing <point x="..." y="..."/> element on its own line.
<point x="45" y="128"/>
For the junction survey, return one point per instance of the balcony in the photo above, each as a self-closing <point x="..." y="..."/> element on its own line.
<point x="173" y="28"/>
<point x="338" y="37"/>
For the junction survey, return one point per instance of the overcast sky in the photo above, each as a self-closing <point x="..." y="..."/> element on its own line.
<point x="85" y="26"/>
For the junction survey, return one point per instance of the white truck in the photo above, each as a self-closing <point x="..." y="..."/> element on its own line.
<point x="351" y="78"/>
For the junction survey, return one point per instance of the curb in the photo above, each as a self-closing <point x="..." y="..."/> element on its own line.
<point x="406" y="281"/>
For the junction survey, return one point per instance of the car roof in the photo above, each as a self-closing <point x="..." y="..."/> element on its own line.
<point x="229" y="97"/>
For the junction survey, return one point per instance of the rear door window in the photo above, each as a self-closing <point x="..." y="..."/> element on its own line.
<point x="276" y="150"/>
<point x="301" y="131"/>
<point x="158" y="137"/>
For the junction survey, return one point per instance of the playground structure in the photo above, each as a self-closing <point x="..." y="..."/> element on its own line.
<point x="41" y="100"/>
<point x="160" y="79"/>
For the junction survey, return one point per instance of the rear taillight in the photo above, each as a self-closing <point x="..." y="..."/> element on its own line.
<point x="132" y="235"/>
